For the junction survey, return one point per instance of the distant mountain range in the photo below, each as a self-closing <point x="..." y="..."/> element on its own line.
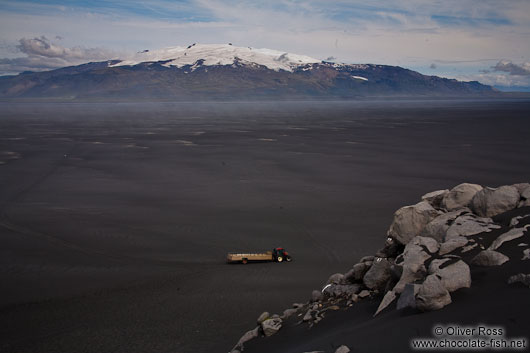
<point x="224" y="71"/>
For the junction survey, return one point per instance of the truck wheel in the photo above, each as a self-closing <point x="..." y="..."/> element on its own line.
<point x="279" y="258"/>
<point x="288" y="259"/>
<point x="244" y="261"/>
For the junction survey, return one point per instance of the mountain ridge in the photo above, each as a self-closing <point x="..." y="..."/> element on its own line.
<point x="213" y="72"/>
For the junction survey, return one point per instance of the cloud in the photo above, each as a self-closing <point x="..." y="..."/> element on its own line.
<point x="513" y="69"/>
<point x="43" y="54"/>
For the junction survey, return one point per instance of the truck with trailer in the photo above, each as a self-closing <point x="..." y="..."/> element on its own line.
<point x="276" y="255"/>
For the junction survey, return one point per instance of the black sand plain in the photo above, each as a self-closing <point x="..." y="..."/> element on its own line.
<point x="115" y="219"/>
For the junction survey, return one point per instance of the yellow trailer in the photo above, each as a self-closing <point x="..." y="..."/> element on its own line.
<point x="277" y="255"/>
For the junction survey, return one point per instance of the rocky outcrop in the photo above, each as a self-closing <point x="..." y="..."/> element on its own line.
<point x="409" y="221"/>
<point x="460" y="196"/>
<point x="490" y="202"/>
<point x="489" y="258"/>
<point x="430" y="250"/>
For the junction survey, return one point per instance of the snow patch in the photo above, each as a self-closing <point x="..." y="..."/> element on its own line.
<point x="220" y="54"/>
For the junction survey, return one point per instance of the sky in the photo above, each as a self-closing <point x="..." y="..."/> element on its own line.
<point x="483" y="40"/>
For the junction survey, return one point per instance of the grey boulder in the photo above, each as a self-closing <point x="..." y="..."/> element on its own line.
<point x="409" y="221"/>
<point x="435" y="198"/>
<point x="454" y="276"/>
<point x="432" y="295"/>
<point x="336" y="278"/>
<point x="469" y="224"/>
<point x="271" y="326"/>
<point x="264" y="316"/>
<point x="460" y="196"/>
<point x="490" y="202"/>
<point x="437" y="228"/>
<point x="489" y="258"/>
<point x="342" y="349"/>
<point x="378" y="274"/>
<point x="452" y="244"/>
<point x="245" y="338"/>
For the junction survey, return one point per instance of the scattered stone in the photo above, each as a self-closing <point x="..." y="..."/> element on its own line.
<point x="515" y="220"/>
<point x="460" y="196"/>
<point x="354" y="298"/>
<point x="271" y="326"/>
<point x="432" y="295"/>
<point x="378" y="274"/>
<point x="287" y="313"/>
<point x="409" y="221"/>
<point x="453" y="276"/>
<point x="308" y="315"/>
<point x="316" y="295"/>
<point x="469" y="247"/>
<point x="490" y="202"/>
<point x="437" y="228"/>
<point x="407" y="299"/>
<point x="264" y="316"/>
<point x="341" y="290"/>
<point x="357" y="273"/>
<point x="509" y="235"/>
<point x="489" y="258"/>
<point x="520" y="278"/>
<point x="435" y="198"/>
<point x="468" y="224"/>
<point x="342" y="349"/>
<point x="336" y="278"/>
<point x="364" y="293"/>
<point x="522" y="244"/>
<point x="244" y="339"/>
<point x="387" y="300"/>
<point x="298" y="305"/>
<point x="526" y="254"/>
<point x="333" y="307"/>
<point x="452" y="244"/>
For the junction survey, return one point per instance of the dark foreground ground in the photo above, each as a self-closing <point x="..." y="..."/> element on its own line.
<point x="115" y="219"/>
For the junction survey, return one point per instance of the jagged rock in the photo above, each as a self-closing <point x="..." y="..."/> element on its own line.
<point x="342" y="349"/>
<point x="271" y="326"/>
<point x="452" y="244"/>
<point x="245" y="338"/>
<point x="490" y="202"/>
<point x="287" y="313"/>
<point x="521" y="187"/>
<point x="468" y="224"/>
<point x="387" y="300"/>
<point x="521" y="278"/>
<point x="526" y="254"/>
<point x="391" y="249"/>
<point x="437" y="228"/>
<point x="407" y="299"/>
<point x="336" y="278"/>
<point x="460" y="196"/>
<point x="435" y="198"/>
<point x="264" y="316"/>
<point x="316" y="295"/>
<point x="357" y="273"/>
<point x="409" y="221"/>
<point x="432" y="295"/>
<point x="378" y="274"/>
<point x="509" y="235"/>
<point x="417" y="251"/>
<point x="364" y="293"/>
<point x="453" y="276"/>
<point x="489" y="258"/>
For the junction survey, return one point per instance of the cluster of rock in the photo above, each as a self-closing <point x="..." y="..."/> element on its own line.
<point x="422" y="261"/>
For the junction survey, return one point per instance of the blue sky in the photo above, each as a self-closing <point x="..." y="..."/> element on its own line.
<point x="480" y="40"/>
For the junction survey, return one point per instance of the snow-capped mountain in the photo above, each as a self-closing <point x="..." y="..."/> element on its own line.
<point x="224" y="71"/>
<point x="220" y="54"/>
